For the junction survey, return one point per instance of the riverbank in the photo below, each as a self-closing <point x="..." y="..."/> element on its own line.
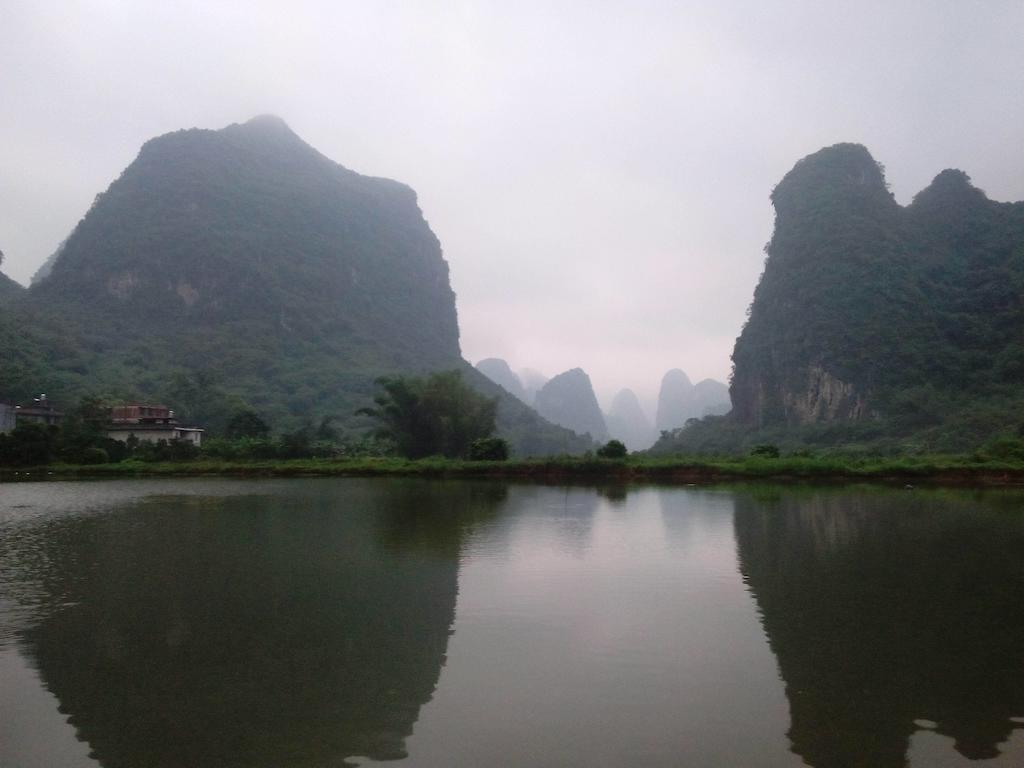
<point x="947" y="470"/>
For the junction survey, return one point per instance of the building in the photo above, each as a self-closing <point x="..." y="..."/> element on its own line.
<point x="7" y="417"/>
<point x="149" y="424"/>
<point x="39" y="411"/>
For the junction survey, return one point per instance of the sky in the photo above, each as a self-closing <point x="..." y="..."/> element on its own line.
<point x="598" y="173"/>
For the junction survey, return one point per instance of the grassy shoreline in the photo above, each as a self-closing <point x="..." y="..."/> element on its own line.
<point x="936" y="470"/>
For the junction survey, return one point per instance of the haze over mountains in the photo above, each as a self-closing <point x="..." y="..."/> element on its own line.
<point x="241" y="266"/>
<point x="571" y="402"/>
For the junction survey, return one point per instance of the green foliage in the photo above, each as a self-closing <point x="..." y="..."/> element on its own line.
<point x="241" y="270"/>
<point x="1003" y="448"/>
<point x="902" y="326"/>
<point x="489" y="449"/>
<point x="438" y="414"/>
<point x="766" y="451"/>
<point x="613" y="449"/>
<point x="28" y="445"/>
<point x="246" y="423"/>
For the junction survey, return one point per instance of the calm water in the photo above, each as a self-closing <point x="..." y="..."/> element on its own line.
<point x="347" y="622"/>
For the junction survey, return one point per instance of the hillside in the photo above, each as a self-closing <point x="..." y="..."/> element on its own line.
<point x="879" y="324"/>
<point x="498" y="371"/>
<point x="242" y="266"/>
<point x="8" y="288"/>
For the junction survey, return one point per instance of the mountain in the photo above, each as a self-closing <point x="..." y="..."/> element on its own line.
<point x="569" y="400"/>
<point x="532" y="382"/>
<point x="878" y="323"/>
<point x="242" y="266"/>
<point x="8" y="288"/>
<point x="627" y="422"/>
<point x="679" y="400"/>
<point x="47" y="266"/>
<point x="674" y="400"/>
<point x="711" y="398"/>
<point x="498" y="371"/>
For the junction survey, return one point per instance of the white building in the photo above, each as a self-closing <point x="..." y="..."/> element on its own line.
<point x="149" y="424"/>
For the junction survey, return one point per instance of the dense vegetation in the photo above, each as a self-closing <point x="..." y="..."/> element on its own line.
<point x="438" y="415"/>
<point x="8" y="288"/>
<point x="241" y="268"/>
<point x="892" y="328"/>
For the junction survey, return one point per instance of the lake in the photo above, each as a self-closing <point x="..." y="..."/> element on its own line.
<point x="345" y="622"/>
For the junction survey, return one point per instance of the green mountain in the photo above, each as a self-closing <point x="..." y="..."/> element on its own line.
<point x="242" y="266"/>
<point x="877" y="323"/>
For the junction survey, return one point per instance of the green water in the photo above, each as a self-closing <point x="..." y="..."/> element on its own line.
<point x="329" y="622"/>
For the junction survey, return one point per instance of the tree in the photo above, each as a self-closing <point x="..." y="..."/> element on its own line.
<point x="613" y="449"/>
<point x="246" y="423"/>
<point x="489" y="449"/>
<point x="439" y="414"/>
<point x="29" y="445"/>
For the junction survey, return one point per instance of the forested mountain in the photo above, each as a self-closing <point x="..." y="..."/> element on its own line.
<point x="627" y="421"/>
<point x="8" y="287"/>
<point x="242" y="266"/>
<point x="875" y="322"/>
<point x="569" y="400"/>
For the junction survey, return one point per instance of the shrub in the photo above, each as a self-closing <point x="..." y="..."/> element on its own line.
<point x="93" y="455"/>
<point x="766" y="451"/>
<point x="489" y="449"/>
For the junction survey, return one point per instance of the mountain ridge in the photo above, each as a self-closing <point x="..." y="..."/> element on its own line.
<point x="241" y="266"/>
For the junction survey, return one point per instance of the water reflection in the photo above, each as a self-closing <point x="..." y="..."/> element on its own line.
<point x="889" y="613"/>
<point x="252" y="630"/>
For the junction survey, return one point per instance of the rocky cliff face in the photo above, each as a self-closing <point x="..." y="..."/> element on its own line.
<point x="569" y="401"/>
<point x="866" y="309"/>
<point x="627" y="422"/>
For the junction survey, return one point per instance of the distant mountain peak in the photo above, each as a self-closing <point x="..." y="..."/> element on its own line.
<point x="569" y="401"/>
<point x="952" y="187"/>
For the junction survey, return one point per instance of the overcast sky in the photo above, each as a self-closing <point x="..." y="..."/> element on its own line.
<point x="598" y="173"/>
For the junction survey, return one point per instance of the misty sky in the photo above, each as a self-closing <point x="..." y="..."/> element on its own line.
<point x="598" y="173"/>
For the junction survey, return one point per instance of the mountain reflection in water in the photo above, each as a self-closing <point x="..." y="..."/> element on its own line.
<point x="331" y="622"/>
<point x="250" y="630"/>
<point x="884" y="610"/>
